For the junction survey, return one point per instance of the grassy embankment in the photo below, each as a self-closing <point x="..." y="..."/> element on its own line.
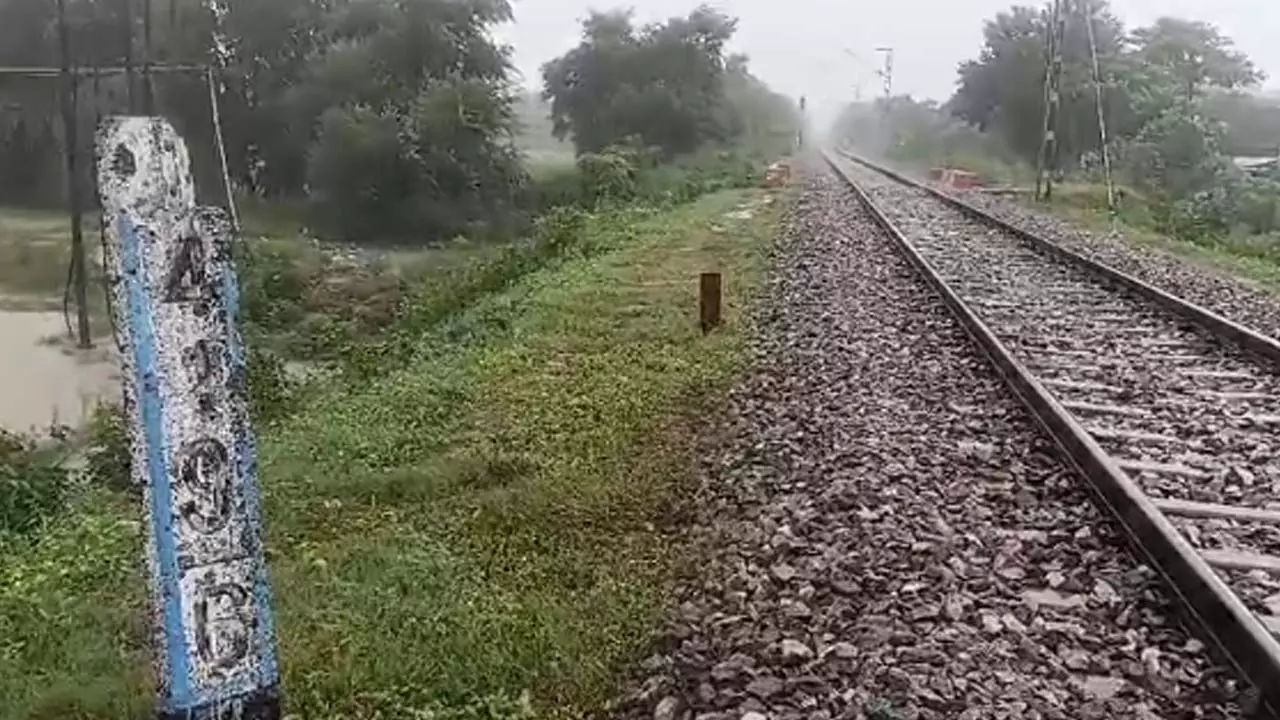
<point x="1250" y="257"/>
<point x="481" y="525"/>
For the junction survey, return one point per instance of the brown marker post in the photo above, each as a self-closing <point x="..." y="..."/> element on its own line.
<point x="709" y="301"/>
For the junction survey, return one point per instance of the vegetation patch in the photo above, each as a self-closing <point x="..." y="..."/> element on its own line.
<point x="1192" y="146"/>
<point x="480" y="531"/>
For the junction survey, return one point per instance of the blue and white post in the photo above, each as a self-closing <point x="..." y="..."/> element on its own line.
<point x="176" y="313"/>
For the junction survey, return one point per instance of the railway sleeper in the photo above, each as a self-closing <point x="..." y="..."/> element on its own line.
<point x="1247" y="639"/>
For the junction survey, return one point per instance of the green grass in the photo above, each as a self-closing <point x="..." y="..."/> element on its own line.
<point x="485" y="527"/>
<point x="1254" y="259"/>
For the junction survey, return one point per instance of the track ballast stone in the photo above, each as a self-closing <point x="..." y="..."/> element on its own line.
<point x="884" y="533"/>
<point x="1231" y="297"/>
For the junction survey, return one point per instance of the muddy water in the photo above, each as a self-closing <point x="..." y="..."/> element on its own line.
<point x="43" y="379"/>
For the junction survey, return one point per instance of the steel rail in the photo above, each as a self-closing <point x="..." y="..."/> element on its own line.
<point x="1249" y="339"/>
<point x="1229" y="629"/>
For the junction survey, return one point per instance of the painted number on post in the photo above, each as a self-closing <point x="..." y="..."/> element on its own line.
<point x="176" y="303"/>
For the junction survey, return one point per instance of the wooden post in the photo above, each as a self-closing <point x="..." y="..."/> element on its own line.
<point x="709" y="301"/>
<point x="177" y="312"/>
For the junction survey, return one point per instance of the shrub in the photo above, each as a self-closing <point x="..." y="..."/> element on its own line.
<point x="270" y="389"/>
<point x="419" y="170"/>
<point x="107" y="448"/>
<point x="1258" y="206"/>
<point x="561" y="187"/>
<point x="274" y="277"/>
<point x="608" y="176"/>
<point x="33" y="485"/>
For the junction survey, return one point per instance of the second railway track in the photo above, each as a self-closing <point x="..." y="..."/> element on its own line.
<point x="1169" y="411"/>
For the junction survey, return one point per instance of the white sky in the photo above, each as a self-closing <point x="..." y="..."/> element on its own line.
<point x="797" y="45"/>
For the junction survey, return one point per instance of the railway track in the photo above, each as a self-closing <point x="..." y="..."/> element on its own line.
<point x="1169" y="411"/>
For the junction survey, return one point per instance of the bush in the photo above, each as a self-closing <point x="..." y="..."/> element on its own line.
<point x="562" y="187"/>
<point x="274" y="278"/>
<point x="417" y="171"/>
<point x="1258" y="206"/>
<point x="107" y="451"/>
<point x="33" y="485"/>
<point x="608" y="176"/>
<point x="270" y="389"/>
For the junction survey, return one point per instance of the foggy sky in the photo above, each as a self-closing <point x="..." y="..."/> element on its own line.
<point x="797" y="45"/>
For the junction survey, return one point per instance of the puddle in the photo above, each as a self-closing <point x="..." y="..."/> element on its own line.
<point x="44" y="379"/>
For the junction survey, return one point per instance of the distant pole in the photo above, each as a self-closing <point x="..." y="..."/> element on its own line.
<point x="126" y="38"/>
<point x="70" y="123"/>
<point x="800" y="136"/>
<point x="1046" y="162"/>
<point x="887" y="74"/>
<point x="1102" y="116"/>
<point x="148" y="99"/>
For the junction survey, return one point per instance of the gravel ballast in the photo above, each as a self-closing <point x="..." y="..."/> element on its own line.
<point x="1234" y="298"/>
<point x="1120" y="352"/>
<point x="881" y="532"/>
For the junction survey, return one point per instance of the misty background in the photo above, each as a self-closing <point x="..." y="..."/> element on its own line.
<point x="798" y="46"/>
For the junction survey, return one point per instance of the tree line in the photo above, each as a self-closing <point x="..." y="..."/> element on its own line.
<point x="394" y="118"/>
<point x="1175" y="97"/>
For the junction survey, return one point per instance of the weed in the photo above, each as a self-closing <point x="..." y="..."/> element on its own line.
<point x="33" y="484"/>
<point x="107" y="455"/>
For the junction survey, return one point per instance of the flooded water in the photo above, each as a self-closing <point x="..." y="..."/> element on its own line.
<point x="44" y="379"/>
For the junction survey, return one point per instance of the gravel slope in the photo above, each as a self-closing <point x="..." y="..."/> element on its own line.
<point x="883" y="535"/>
<point x="1230" y="297"/>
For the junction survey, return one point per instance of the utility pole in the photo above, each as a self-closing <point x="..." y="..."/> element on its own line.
<point x="800" y="137"/>
<point x="126" y="43"/>
<point x="887" y="73"/>
<point x="70" y="124"/>
<point x="1047" y="161"/>
<point x="148" y="91"/>
<point x="1102" y="116"/>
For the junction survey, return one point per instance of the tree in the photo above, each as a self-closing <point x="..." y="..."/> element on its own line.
<point x="1002" y="91"/>
<point x="416" y="118"/>
<point x="319" y="94"/>
<point x="765" y="122"/>
<point x="1252" y="122"/>
<point x="663" y="84"/>
<point x="1195" y="54"/>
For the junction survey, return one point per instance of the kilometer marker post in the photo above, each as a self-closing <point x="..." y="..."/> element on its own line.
<point x="176" y="302"/>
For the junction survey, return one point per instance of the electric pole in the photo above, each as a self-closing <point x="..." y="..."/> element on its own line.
<point x="1102" y="116"/>
<point x="887" y="73"/>
<point x="78" y="274"/>
<point x="800" y="136"/>
<point x="1047" y="161"/>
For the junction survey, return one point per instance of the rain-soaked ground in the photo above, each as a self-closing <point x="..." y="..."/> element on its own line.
<point x="44" y="379"/>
